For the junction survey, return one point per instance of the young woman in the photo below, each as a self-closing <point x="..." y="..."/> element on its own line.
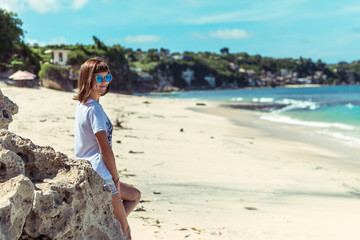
<point x="93" y="134"/>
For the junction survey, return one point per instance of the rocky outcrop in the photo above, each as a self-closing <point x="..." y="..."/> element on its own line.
<point x="262" y="107"/>
<point x="55" y="77"/>
<point x="7" y="109"/>
<point x="66" y="197"/>
<point x="46" y="195"/>
<point x="189" y="76"/>
<point x="123" y="78"/>
<point x="17" y="195"/>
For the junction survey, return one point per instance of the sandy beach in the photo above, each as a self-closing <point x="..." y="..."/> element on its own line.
<point x="207" y="172"/>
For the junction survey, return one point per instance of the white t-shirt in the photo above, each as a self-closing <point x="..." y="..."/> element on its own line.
<point x="90" y="118"/>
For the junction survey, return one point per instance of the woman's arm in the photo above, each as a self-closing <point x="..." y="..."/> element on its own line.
<point x="107" y="153"/>
<point x="109" y="160"/>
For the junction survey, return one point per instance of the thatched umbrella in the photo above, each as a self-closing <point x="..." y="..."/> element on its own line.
<point x="22" y="78"/>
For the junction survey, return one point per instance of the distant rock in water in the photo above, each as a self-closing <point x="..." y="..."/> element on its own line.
<point x="263" y="107"/>
<point x="46" y="195"/>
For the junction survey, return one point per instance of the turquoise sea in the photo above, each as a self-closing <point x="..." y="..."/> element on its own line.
<point x="329" y="110"/>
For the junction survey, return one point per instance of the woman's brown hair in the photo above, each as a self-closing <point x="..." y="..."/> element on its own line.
<point x="86" y="75"/>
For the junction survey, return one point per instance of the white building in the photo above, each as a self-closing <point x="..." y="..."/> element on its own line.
<point x="58" y="56"/>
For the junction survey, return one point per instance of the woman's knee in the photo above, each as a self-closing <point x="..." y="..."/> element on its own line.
<point x="137" y="194"/>
<point x="130" y="193"/>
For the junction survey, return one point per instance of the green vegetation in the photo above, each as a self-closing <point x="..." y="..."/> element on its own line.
<point x="145" y="67"/>
<point x="48" y="69"/>
<point x="14" y="53"/>
<point x="10" y="33"/>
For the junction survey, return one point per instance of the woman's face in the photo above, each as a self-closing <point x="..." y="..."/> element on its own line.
<point x="99" y="88"/>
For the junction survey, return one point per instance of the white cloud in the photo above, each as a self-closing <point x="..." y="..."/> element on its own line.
<point x="229" y="34"/>
<point x="13" y="5"/>
<point x="77" y="4"/>
<point x="142" y="38"/>
<point x="58" y="41"/>
<point x="43" y="6"/>
<point x="54" y="41"/>
<point x="33" y="41"/>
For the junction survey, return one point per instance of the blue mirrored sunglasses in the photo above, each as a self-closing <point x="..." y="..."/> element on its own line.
<point x="108" y="78"/>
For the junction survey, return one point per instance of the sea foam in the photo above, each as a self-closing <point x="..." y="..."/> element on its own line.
<point x="278" y="118"/>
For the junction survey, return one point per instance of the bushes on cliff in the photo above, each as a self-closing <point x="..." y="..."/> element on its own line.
<point x="77" y="57"/>
<point x="55" y="77"/>
<point x="51" y="70"/>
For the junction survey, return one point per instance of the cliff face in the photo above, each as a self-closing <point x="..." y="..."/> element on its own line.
<point x="122" y="77"/>
<point x="192" y="76"/>
<point x="182" y="76"/>
<point x="46" y="195"/>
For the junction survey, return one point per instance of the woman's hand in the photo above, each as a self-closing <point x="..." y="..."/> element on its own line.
<point x="117" y="185"/>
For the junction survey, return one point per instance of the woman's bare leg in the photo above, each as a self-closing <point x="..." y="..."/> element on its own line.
<point x="120" y="214"/>
<point x="130" y="196"/>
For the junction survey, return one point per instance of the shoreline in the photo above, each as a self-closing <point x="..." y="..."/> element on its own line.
<point x="263" y="87"/>
<point x="285" y="131"/>
<point x="213" y="173"/>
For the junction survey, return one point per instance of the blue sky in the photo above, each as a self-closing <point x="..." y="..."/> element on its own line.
<point x="318" y="29"/>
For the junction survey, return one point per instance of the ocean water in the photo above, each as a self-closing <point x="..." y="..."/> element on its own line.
<point x="329" y="110"/>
